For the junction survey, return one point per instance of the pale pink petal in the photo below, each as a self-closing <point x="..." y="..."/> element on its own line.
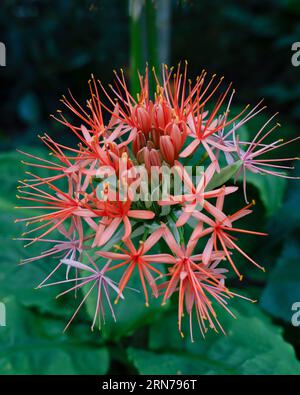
<point x="78" y="265"/>
<point x="99" y="232"/>
<point x="191" y="245"/>
<point x="160" y="258"/>
<point x="206" y="256"/>
<point x="114" y="117"/>
<point x="209" y="172"/>
<point x="131" y="136"/>
<point x="141" y="214"/>
<point x="199" y="233"/>
<point x="220" y="201"/>
<point x="212" y="156"/>
<point x="127" y="226"/>
<point x="190" y="148"/>
<point x="229" y="158"/>
<point x="189" y="298"/>
<point x="240" y="214"/>
<point x="86" y="134"/>
<point x="202" y="217"/>
<point x="184" y="217"/>
<point x="168" y="202"/>
<point x="170" y="240"/>
<point x="109" y="231"/>
<point x="184" y="176"/>
<point x="152" y="239"/>
<point x="112" y="255"/>
<point x="220" y="191"/>
<point x="218" y="214"/>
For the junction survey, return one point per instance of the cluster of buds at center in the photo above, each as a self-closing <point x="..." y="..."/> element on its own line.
<point x="160" y="136"/>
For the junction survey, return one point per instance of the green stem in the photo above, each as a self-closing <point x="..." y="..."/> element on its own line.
<point x="136" y="56"/>
<point x="145" y="235"/>
<point x="151" y="40"/>
<point x="142" y="17"/>
<point x="180" y="229"/>
<point x="202" y="159"/>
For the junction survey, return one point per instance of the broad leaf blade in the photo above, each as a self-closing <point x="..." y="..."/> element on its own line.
<point x="253" y="345"/>
<point x="225" y="174"/>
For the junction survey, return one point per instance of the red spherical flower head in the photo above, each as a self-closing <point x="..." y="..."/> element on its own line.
<point x="91" y="197"/>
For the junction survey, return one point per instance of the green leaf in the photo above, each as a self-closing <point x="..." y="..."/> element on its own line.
<point x="148" y="362"/>
<point x="253" y="345"/>
<point x="271" y="190"/>
<point x="225" y="174"/>
<point x="289" y="214"/>
<point x="283" y="286"/>
<point x="31" y="344"/>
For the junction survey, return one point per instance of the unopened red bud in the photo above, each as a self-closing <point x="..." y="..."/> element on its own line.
<point x="167" y="149"/>
<point x="175" y="134"/>
<point x="143" y="119"/>
<point x="161" y="115"/>
<point x="150" y="145"/>
<point x="147" y="159"/>
<point x="140" y="155"/>
<point x="155" y="135"/>
<point x="139" y="142"/>
<point x="155" y="158"/>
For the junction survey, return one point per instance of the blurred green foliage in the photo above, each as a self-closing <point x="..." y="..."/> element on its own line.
<point x="56" y="45"/>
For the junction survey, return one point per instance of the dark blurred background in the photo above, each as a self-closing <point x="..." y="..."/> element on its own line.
<point x="53" y="45"/>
